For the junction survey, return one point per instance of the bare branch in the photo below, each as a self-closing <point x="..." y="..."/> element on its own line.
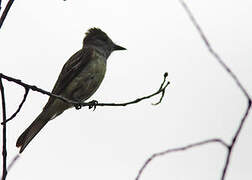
<point x="19" y="107"/>
<point x="5" y="12"/>
<point x="160" y="90"/>
<point x="234" y="140"/>
<point x="212" y="51"/>
<point x="183" y="148"/>
<point x="4" y="151"/>
<point x="90" y="104"/>
<point x="34" y="88"/>
<point x="234" y="77"/>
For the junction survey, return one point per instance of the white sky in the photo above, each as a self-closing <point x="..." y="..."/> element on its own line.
<point x="201" y="102"/>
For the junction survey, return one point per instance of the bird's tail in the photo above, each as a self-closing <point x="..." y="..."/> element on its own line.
<point x="25" y="138"/>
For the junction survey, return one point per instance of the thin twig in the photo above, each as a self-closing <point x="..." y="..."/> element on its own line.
<point x="5" y="12"/>
<point x="19" y="107"/>
<point x="160" y="90"/>
<point x="183" y="148"/>
<point x="163" y="90"/>
<point x="4" y="151"/>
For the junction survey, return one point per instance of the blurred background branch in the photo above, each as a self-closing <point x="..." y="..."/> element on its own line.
<point x="229" y="146"/>
<point x="5" y="12"/>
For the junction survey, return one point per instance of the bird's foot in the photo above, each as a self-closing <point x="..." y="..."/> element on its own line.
<point x="78" y="106"/>
<point x="92" y="104"/>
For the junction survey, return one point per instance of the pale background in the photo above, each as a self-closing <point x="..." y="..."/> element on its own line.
<point x="201" y="102"/>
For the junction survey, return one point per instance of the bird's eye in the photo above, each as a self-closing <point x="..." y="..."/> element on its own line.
<point x="104" y="39"/>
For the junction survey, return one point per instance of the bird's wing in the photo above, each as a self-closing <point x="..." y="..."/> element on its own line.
<point x="70" y="70"/>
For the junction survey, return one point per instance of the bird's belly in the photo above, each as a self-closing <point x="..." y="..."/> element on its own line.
<point x="88" y="80"/>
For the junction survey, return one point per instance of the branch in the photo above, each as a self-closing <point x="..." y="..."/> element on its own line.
<point x="234" y="77"/>
<point x="19" y="107"/>
<point x="13" y="161"/>
<point x="4" y="151"/>
<point x="5" y="12"/>
<point x="160" y="90"/>
<point x="212" y="51"/>
<point x="183" y="148"/>
<point x="34" y="88"/>
<point x="230" y="147"/>
<point x="77" y="104"/>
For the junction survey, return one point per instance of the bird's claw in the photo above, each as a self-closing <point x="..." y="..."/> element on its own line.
<point x="77" y="106"/>
<point x="92" y="104"/>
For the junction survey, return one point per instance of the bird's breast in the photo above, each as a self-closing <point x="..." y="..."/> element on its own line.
<point x="89" y="79"/>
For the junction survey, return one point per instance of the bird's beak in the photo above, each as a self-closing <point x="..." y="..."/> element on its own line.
<point x="116" y="47"/>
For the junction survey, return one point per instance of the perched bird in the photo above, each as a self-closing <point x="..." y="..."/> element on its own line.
<point x="80" y="77"/>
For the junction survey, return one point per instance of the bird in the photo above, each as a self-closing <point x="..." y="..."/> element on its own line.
<point x="78" y="80"/>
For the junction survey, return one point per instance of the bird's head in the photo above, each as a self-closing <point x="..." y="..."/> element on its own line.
<point x="98" y="39"/>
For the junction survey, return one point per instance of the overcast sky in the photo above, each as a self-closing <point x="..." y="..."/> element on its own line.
<point x="201" y="102"/>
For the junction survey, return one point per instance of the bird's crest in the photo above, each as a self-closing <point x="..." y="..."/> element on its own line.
<point x="94" y="33"/>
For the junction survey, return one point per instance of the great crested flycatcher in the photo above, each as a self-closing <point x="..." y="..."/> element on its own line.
<point x="80" y="77"/>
